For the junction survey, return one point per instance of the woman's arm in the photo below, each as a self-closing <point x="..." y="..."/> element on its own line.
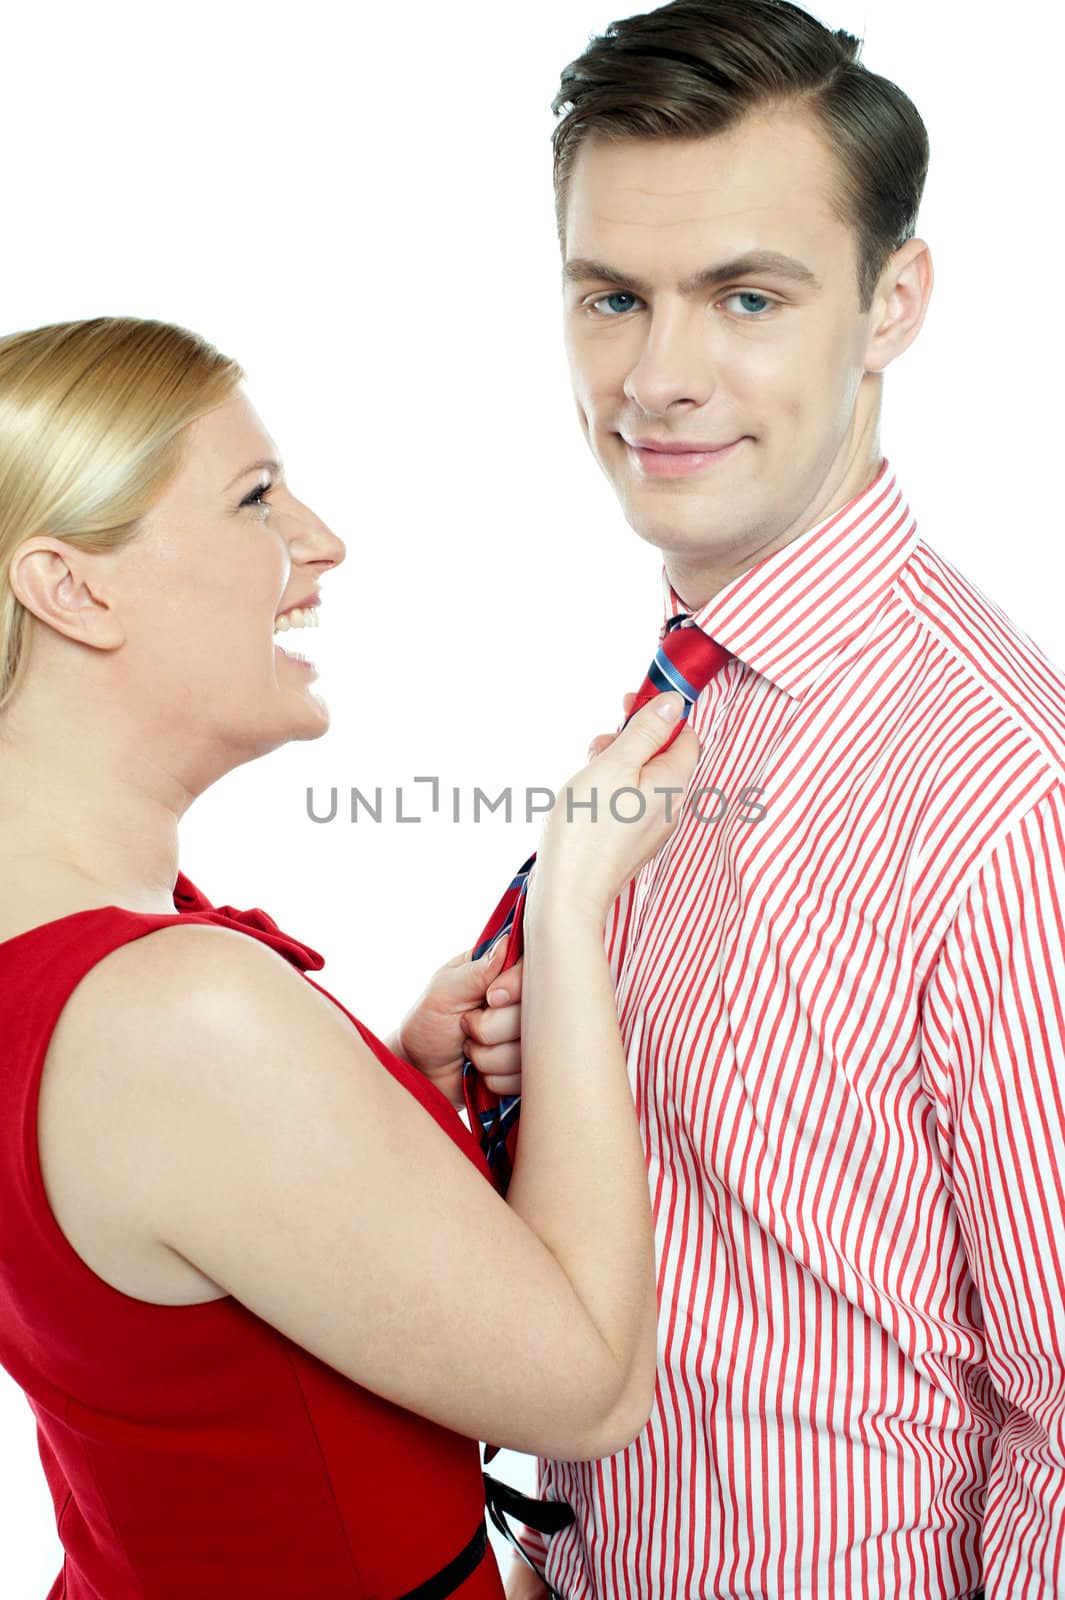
<point x="239" y="1120"/>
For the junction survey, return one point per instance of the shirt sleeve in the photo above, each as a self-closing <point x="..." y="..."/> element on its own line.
<point x="994" y="1059"/>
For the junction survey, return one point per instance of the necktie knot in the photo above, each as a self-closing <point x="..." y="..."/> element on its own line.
<point x="686" y="660"/>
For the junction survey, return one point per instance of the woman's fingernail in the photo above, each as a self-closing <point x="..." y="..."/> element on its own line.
<point x="669" y="706"/>
<point x="498" y="997"/>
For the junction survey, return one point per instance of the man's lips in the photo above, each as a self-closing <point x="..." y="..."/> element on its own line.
<point x="678" y="447"/>
<point x="677" y="458"/>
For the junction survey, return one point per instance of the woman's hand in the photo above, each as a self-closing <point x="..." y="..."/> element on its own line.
<point x="468" y="1008"/>
<point x="614" y="815"/>
<point x="465" y="1010"/>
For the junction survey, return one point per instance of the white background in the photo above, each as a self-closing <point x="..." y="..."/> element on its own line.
<point x="356" y="203"/>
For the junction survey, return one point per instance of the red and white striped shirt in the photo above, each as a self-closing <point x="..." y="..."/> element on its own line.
<point x="846" y="1038"/>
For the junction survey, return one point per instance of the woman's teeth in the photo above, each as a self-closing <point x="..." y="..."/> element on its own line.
<point x="300" y="617"/>
<point x="305" y="617"/>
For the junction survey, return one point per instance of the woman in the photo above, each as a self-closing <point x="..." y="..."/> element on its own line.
<point x="253" y="1279"/>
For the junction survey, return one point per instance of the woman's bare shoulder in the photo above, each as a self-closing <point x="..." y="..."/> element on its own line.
<point x="126" y="1037"/>
<point x="196" y="961"/>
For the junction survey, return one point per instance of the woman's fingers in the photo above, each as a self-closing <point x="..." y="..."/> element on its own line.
<point x="505" y="1085"/>
<point x="493" y="1043"/>
<point x="500" y="1019"/>
<point x="493" y="1034"/>
<point x="497" y="1063"/>
<point x="505" y="990"/>
<point x="504" y="1056"/>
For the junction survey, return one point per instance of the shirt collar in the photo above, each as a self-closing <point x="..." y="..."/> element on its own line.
<point x="787" y="616"/>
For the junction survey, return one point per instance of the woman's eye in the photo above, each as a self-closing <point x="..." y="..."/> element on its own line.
<point x="615" y="310"/>
<point x="258" y="495"/>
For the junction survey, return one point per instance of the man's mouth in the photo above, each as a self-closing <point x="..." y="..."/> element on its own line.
<point x="678" y="458"/>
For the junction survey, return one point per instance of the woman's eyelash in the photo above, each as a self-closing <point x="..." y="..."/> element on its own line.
<point x="261" y="489"/>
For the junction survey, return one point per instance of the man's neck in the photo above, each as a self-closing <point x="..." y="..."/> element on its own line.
<point x="696" y="580"/>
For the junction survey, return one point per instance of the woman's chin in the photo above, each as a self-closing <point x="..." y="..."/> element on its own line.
<point x="316" y="719"/>
<point x="303" y="716"/>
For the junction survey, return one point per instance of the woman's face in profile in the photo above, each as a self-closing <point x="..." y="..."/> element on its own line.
<point x="226" y="547"/>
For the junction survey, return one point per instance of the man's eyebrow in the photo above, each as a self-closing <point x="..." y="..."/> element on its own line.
<point x="257" y="466"/>
<point x="754" y="264"/>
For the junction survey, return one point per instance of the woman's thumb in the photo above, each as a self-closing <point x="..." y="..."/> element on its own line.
<point x="654" y="727"/>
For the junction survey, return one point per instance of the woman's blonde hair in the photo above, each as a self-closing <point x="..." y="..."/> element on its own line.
<point x="91" y="415"/>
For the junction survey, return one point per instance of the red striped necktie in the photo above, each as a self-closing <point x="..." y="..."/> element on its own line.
<point x="686" y="660"/>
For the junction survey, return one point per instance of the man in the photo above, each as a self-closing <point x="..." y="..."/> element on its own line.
<point x="839" y="985"/>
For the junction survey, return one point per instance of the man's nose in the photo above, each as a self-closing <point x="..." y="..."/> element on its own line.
<point x="675" y="364"/>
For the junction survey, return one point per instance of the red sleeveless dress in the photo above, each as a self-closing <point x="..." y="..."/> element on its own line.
<point x="194" y="1452"/>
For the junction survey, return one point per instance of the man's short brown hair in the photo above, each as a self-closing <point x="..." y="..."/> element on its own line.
<point x="697" y="67"/>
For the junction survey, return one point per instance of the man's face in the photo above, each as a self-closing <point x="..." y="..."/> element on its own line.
<point x="673" y="340"/>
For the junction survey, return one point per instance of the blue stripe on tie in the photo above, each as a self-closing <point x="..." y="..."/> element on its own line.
<point x="496" y="1122"/>
<point x="503" y="1115"/>
<point x="497" y="1125"/>
<point x="519" y="882"/>
<point x="666" y="675"/>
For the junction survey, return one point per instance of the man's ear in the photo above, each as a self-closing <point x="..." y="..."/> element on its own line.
<point x="57" y="583"/>
<point x="899" y="304"/>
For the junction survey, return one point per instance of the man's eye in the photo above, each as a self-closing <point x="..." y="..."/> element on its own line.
<point x="747" y="295"/>
<point x="615" y="310"/>
<point x="753" y="305"/>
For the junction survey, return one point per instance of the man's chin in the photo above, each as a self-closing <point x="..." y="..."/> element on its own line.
<point x="688" y="530"/>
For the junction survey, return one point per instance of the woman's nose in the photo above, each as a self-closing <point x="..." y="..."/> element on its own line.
<point x="310" y="539"/>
